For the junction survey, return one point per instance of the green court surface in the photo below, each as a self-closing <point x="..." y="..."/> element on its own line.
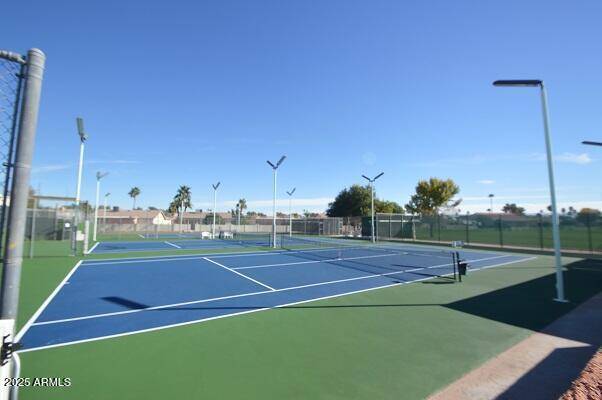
<point x="399" y="342"/>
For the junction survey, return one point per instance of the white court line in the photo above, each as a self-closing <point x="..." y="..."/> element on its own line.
<point x="142" y="236"/>
<point x="35" y="315"/>
<point x="93" y="247"/>
<point x="171" y="244"/>
<point x="251" y="311"/>
<point x="174" y="305"/>
<point x="238" y="273"/>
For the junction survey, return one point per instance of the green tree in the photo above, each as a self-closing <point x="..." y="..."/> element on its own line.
<point x="133" y="193"/>
<point x="208" y="220"/>
<point x="182" y="197"/>
<point x="388" y="207"/>
<point x="433" y="194"/>
<point x="588" y="216"/>
<point x="351" y="202"/>
<point x="242" y="204"/>
<point x="512" y="208"/>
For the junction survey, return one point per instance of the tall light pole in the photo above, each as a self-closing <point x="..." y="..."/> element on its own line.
<point x="372" y="200"/>
<point x="214" y="207"/>
<point x="290" y="215"/>
<point x="82" y="141"/>
<point x="491" y="202"/>
<point x="237" y="217"/>
<point x="546" y="124"/>
<point x="104" y="212"/>
<point x="99" y="176"/>
<point x="275" y="168"/>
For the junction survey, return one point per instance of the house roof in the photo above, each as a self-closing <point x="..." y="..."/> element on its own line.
<point x="134" y="214"/>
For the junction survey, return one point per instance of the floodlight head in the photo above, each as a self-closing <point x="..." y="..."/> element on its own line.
<point x="518" y="82"/>
<point x="271" y="165"/>
<point x="100" y="175"/>
<point x="378" y="176"/>
<point x="491" y="195"/>
<point x="589" y="142"/>
<point x="107" y="194"/>
<point x="365" y="177"/>
<point x="280" y="161"/>
<point x="216" y="186"/>
<point x="80" y="130"/>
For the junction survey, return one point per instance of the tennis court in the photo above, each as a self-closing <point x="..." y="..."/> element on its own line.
<point x="178" y="242"/>
<point x="108" y="298"/>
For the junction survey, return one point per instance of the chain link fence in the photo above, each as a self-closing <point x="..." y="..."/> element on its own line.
<point x="124" y="229"/>
<point x="10" y="98"/>
<point x="581" y="232"/>
<point x="49" y="227"/>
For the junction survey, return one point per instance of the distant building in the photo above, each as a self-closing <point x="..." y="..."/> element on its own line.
<point x="138" y="217"/>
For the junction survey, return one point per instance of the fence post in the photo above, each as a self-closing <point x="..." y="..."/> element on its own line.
<point x="501" y="233"/>
<point x="32" y="237"/>
<point x="540" y="231"/>
<point x="390" y="227"/>
<point x="86" y="236"/>
<point x="467" y="223"/>
<point x="589" y="232"/>
<point x="438" y="227"/>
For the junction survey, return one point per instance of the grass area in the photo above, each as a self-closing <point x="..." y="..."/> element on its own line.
<point x="400" y="342"/>
<point x="571" y="238"/>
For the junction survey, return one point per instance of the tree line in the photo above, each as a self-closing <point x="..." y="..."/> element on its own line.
<point x="429" y="197"/>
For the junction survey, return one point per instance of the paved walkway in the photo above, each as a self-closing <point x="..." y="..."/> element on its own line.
<point x="541" y="366"/>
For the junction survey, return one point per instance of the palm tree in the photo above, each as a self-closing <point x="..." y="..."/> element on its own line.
<point x="242" y="204"/>
<point x="182" y="197"/>
<point x="133" y="193"/>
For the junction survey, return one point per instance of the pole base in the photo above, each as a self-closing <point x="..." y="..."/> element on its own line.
<point x="560" y="300"/>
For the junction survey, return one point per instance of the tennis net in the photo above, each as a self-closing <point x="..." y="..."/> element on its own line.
<point x="253" y="239"/>
<point x="367" y="257"/>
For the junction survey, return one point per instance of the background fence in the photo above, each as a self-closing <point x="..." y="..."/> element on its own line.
<point x="113" y="229"/>
<point x="580" y="232"/>
<point x="49" y="227"/>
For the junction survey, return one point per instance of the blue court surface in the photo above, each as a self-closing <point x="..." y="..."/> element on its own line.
<point x="108" y="298"/>
<point x="155" y="245"/>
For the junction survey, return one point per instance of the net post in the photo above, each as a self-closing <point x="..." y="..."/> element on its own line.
<point x="458" y="266"/>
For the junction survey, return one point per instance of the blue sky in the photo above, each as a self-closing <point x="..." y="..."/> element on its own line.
<point x="195" y="92"/>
